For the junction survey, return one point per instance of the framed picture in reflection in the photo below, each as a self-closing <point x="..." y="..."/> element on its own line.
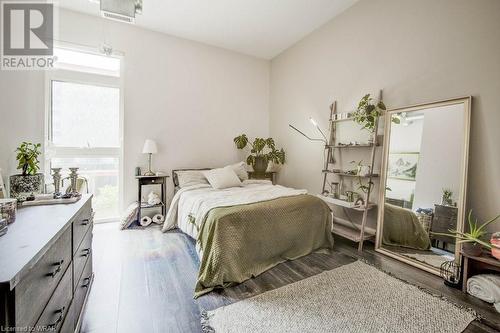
<point x="403" y="165"/>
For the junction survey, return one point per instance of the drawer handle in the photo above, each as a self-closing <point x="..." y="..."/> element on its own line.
<point x="58" y="268"/>
<point x="59" y="319"/>
<point x="85" y="222"/>
<point x="86" y="252"/>
<point x="86" y="282"/>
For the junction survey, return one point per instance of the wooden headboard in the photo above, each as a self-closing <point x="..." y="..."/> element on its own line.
<point x="175" y="179"/>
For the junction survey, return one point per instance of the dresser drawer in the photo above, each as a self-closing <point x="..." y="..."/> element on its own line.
<point x="81" y="256"/>
<point x="82" y="287"/>
<point x="35" y="289"/>
<point x="53" y="315"/>
<point x="69" y="323"/>
<point x="81" y="225"/>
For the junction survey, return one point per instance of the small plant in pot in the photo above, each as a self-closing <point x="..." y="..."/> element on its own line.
<point x="29" y="182"/>
<point x="262" y="151"/>
<point x="472" y="240"/>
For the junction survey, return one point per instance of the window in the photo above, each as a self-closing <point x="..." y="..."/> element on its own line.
<point x="84" y="127"/>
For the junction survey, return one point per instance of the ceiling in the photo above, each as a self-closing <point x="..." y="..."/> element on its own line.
<point x="262" y="28"/>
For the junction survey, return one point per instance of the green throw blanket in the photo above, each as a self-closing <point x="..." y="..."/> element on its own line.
<point x="402" y="228"/>
<point x="243" y="241"/>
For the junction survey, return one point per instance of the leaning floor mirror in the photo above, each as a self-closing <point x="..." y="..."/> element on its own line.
<point x="424" y="169"/>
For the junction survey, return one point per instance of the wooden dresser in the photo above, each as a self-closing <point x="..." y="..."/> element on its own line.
<point x="445" y="219"/>
<point x="46" y="267"/>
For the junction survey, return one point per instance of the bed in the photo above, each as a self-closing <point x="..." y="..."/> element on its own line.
<point x="402" y="228"/>
<point x="241" y="232"/>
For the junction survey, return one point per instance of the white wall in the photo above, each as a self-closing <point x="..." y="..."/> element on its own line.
<point x="193" y="99"/>
<point x="417" y="51"/>
<point x="404" y="139"/>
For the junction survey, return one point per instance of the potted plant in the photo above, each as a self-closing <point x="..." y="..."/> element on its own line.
<point x="368" y="111"/>
<point x="472" y="240"/>
<point x="262" y="152"/>
<point x="29" y="182"/>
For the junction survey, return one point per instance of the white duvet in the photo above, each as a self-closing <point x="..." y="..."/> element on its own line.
<point x="191" y="204"/>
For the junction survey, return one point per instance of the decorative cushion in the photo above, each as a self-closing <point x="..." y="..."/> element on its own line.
<point x="222" y="178"/>
<point x="191" y="177"/>
<point x="241" y="170"/>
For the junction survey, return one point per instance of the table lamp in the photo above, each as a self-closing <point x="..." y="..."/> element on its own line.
<point x="149" y="148"/>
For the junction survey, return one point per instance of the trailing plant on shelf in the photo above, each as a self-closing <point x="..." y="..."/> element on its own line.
<point x="368" y="111"/>
<point x="262" y="152"/>
<point x="472" y="239"/>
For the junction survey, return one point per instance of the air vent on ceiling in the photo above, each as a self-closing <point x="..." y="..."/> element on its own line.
<point x="121" y="10"/>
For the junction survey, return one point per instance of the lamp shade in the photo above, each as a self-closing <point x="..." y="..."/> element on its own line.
<point x="149" y="147"/>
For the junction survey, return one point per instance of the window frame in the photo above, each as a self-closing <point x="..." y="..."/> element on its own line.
<point x="88" y="78"/>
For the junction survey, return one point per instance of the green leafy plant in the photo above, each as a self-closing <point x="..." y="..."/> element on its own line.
<point x="368" y="111"/>
<point x="260" y="148"/>
<point x="474" y="235"/>
<point x="27" y="158"/>
<point x="447" y="194"/>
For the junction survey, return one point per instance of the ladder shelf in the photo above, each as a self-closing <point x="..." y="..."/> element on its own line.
<point x="353" y="232"/>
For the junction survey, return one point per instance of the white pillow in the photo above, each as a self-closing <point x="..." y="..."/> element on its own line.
<point x="222" y="178"/>
<point x="240" y="170"/>
<point x="191" y="177"/>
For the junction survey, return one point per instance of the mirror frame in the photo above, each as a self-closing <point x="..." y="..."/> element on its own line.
<point x="467" y="102"/>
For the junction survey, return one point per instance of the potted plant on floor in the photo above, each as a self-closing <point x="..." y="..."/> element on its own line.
<point x="29" y="182"/>
<point x="472" y="240"/>
<point x="262" y="152"/>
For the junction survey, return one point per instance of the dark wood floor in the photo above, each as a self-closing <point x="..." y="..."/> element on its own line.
<point x="144" y="282"/>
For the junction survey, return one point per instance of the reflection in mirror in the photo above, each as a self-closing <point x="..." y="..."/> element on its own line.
<point x="425" y="181"/>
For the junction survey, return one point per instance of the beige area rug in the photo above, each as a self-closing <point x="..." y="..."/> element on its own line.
<point x="353" y="298"/>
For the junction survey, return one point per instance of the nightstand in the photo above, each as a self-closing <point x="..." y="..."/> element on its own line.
<point x="263" y="175"/>
<point x="152" y="180"/>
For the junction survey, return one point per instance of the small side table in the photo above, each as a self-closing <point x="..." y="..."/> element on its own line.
<point x="263" y="175"/>
<point x="152" y="180"/>
<point x="475" y="265"/>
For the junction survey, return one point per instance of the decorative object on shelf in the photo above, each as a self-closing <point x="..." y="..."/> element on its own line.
<point x="495" y="245"/>
<point x="472" y="240"/>
<point x="8" y="210"/>
<point x="262" y="152"/>
<point x="3" y="226"/>
<point x="450" y="272"/>
<point x="64" y="199"/>
<point x="76" y="183"/>
<point x="145" y="221"/>
<point x="56" y="177"/>
<point x="137" y="171"/>
<point x="446" y="199"/>
<point x="3" y="191"/>
<point x="149" y="148"/>
<point x="153" y="198"/>
<point x="29" y="182"/>
<point x="158" y="218"/>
